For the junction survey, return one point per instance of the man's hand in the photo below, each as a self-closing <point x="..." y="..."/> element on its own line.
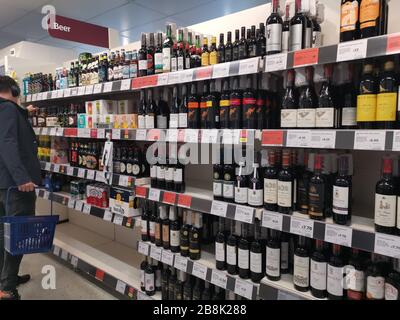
<point x="31" y="108"/>
<point x="27" y="187"/>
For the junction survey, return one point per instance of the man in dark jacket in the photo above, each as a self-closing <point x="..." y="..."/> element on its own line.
<point x="20" y="168"/>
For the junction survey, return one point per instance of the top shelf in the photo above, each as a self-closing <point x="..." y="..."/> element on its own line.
<point x="347" y="51"/>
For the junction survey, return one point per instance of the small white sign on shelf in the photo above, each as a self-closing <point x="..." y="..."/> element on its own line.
<point x="74" y="261"/>
<point x="162" y="79"/>
<point x="143" y="248"/>
<point x="173" y="78"/>
<point x="387" y="245"/>
<point x="298" y="138"/>
<point x="302" y="227"/>
<point x="53" y="131"/>
<point x="125" y="85"/>
<point x="244" y="214"/>
<point x="219" y="208"/>
<point x="29" y="98"/>
<point x="209" y="136"/>
<point x="221" y="70"/>
<point x="370" y="140"/>
<point x="86" y="208"/>
<point x="91" y="175"/>
<point x="186" y="76"/>
<point x="107" y="216"/>
<point x="84" y="133"/>
<point x="124" y="181"/>
<point x="116" y="134"/>
<point x="199" y="270"/>
<point x="64" y="255"/>
<point x="272" y="220"/>
<point x="71" y="204"/>
<point x="56" y="168"/>
<point x="323" y="139"/>
<point x="70" y="171"/>
<point x="60" y="94"/>
<point x="89" y="90"/>
<point x="191" y="136"/>
<point x="107" y="87"/>
<point x="181" y="263"/>
<point x="56" y="251"/>
<point x="60" y="132"/>
<point x="120" y="287"/>
<point x="67" y="93"/>
<point x="276" y="62"/>
<point x="339" y="235"/>
<point x="98" y="88"/>
<point x="396" y="140"/>
<point x="79" y="205"/>
<point x="244" y="288"/>
<point x="154" y="195"/>
<point x="47" y="167"/>
<point x="81" y="91"/>
<point x="141" y="135"/>
<point x="101" y="133"/>
<point x="249" y="66"/>
<point x="172" y="135"/>
<point x="227" y="136"/>
<point x="118" y="220"/>
<point x="219" y="278"/>
<point x="143" y="297"/>
<point x="81" y="173"/>
<point x="354" y="50"/>
<point x="167" y="257"/>
<point x="155" y="253"/>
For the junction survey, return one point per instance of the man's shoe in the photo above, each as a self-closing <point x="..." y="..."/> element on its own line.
<point x="23" y="279"/>
<point x="9" y="295"/>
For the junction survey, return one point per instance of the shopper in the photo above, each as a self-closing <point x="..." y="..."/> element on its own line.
<point x="19" y="168"/>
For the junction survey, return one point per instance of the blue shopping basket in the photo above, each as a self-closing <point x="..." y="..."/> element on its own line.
<point x="28" y="234"/>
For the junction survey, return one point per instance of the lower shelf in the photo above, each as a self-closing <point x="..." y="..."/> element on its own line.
<point x="107" y="261"/>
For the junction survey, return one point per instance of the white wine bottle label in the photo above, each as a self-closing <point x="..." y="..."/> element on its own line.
<point x="255" y="197"/>
<point x="335" y="281"/>
<point x="175" y="239"/>
<point x="273" y="262"/>
<point x="355" y="279"/>
<point x="391" y="293"/>
<point x="178" y="175"/>
<point x="301" y="271"/>
<point x="285" y="194"/>
<point x="160" y="173"/>
<point x="296" y="37"/>
<point x="231" y="257"/>
<point x="274" y="37"/>
<point x="181" y="63"/>
<point x="169" y="174"/>
<point x="142" y="279"/>
<point x="325" y="117"/>
<point x="241" y="195"/>
<point x="142" y="64"/>
<point x="228" y="190"/>
<point x="271" y="191"/>
<point x="183" y="121"/>
<point x="141" y="122"/>
<point x="162" y="122"/>
<point x="144" y="226"/>
<point x="152" y="228"/>
<point x="255" y="262"/>
<point x="217" y="189"/>
<point x="174" y="64"/>
<point x="398" y="213"/>
<point x="220" y="251"/>
<point x="285" y="255"/>
<point x="153" y="172"/>
<point x="149" y="122"/>
<point x="349" y="117"/>
<point x="149" y="280"/>
<point x="340" y="200"/>
<point x="167" y="59"/>
<point x="306" y="118"/>
<point x="317" y="39"/>
<point x="158" y="61"/>
<point x="285" y="41"/>
<point x="385" y="210"/>
<point x="375" y="288"/>
<point x="309" y="32"/>
<point x="158" y="278"/>
<point x="318" y="275"/>
<point x="173" y="120"/>
<point x="289" y="118"/>
<point x="243" y="259"/>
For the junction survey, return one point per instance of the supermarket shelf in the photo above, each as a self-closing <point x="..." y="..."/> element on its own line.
<point x="202" y="201"/>
<point x="81" y="206"/>
<point x="116" y="179"/>
<point x="94" y="255"/>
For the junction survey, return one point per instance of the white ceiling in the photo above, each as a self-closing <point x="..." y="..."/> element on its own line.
<point x="21" y="19"/>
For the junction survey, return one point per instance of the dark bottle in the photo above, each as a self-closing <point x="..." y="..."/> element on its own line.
<point x="367" y="98"/>
<point x="355" y="276"/>
<point x="181" y="57"/>
<point x="179" y="178"/>
<point x="158" y="55"/>
<point x="206" y="294"/>
<point x="204" y="110"/>
<point x="152" y="222"/>
<point x="385" y="200"/>
<point x="335" y="274"/>
<point x="308" y="102"/>
<point x="386" y="107"/>
<point x="205" y="53"/>
<point x="392" y="283"/>
<point x="229" y="182"/>
<point x="213" y="51"/>
<point x="123" y="161"/>
<point x="261" y="104"/>
<point x="298" y="29"/>
<point x="231" y="250"/>
<point x="171" y="284"/>
<point x="150" y="55"/>
<point x="161" y="174"/>
<point x="261" y="42"/>
<point x="241" y="186"/>
<point x="165" y="229"/>
<point x="142" y="111"/>
<point x="143" y="267"/>
<point x="184" y="237"/>
<point x="249" y="106"/>
<point x="252" y="43"/>
<point x="213" y="115"/>
<point x="243" y="45"/>
<point x="373" y="18"/>
<point x="218" y="178"/>
<point x="285" y="245"/>
<point x="273" y="256"/>
<point x="271" y="183"/>
<point x="326" y="113"/>
<point x="220" y="246"/>
<point x="289" y="103"/>
<point x="136" y="162"/>
<point x="348" y="113"/>
<point x="157" y="267"/>
<point x="342" y="193"/>
<point x="153" y="175"/>
<point x="286" y="30"/>
<point x="303" y="187"/>
<point x="142" y="57"/>
<point x="158" y="227"/>
<point x="151" y="111"/>
<point x="169" y="175"/>
<point x="188" y="289"/>
<point x="183" y="109"/>
<point x="150" y="280"/>
<point x="235" y="46"/>
<point x="318" y="270"/>
<point x="317" y="191"/>
<point x="309" y="30"/>
<point x="174" y="58"/>
<point x="301" y="267"/>
<point x="145" y="222"/>
<point x="116" y="158"/>
<point x="195" y="57"/>
<point x="198" y="289"/>
<point x="375" y="279"/>
<point x="166" y="272"/>
<point x="235" y="109"/>
<point x="167" y="50"/>
<point x="257" y="255"/>
<point x="244" y="253"/>
<point x="285" y="185"/>
<point x="274" y="30"/>
<point x="229" y="48"/>
<point x="221" y="49"/>
<point x="179" y="285"/>
<point x="195" y="237"/>
<point x="349" y="20"/>
<point x="193" y="108"/>
<point x="224" y="104"/>
<point x="255" y="196"/>
<point x="174" y="230"/>
<point x="162" y="113"/>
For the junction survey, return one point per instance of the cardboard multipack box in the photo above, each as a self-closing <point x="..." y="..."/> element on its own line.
<point x="122" y="202"/>
<point x="106" y="106"/>
<point x="125" y="107"/>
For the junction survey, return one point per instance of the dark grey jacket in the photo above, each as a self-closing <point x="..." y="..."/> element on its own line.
<point x="19" y="163"/>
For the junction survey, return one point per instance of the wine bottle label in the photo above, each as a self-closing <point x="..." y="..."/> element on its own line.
<point x="183" y="120"/>
<point x="152" y="228"/>
<point x="398" y="212"/>
<point x="354" y="280"/>
<point x="228" y="190"/>
<point x="160" y="173"/>
<point x="386" y="106"/>
<point x="243" y="259"/>
<point x="301" y="271"/>
<point x="391" y="292"/>
<point x="271" y="191"/>
<point x="349" y="117"/>
<point x="284" y="255"/>
<point x="369" y="13"/>
<point x="144" y="227"/>
<point x="141" y="122"/>
<point x="178" y="175"/>
<point x="153" y="172"/>
<point x="285" y="41"/>
<point x="157" y="234"/>
<point x="375" y="288"/>
<point x="274" y="37"/>
<point x="349" y="16"/>
<point x="231" y="257"/>
<point x="142" y="65"/>
<point x="149" y="122"/>
<point x="158" y="61"/>
<point x="129" y="169"/>
<point x="285" y="194"/>
<point x="340" y="200"/>
<point x="162" y="122"/>
<point x="142" y="279"/>
<point x="325" y="117"/>
<point x="255" y="262"/>
<point x="173" y="120"/>
<point x="366" y="107"/>
<point x="158" y="278"/>
<point x="335" y="281"/>
<point x="385" y="210"/>
<point x="273" y="262"/>
<point x="135" y="170"/>
<point x="220" y="251"/>
<point x="316" y="199"/>
<point x="241" y="195"/>
<point x="122" y="168"/>
<point x="175" y="238"/>
<point x="217" y="189"/>
<point x="255" y="197"/>
<point x="167" y="59"/>
<point x="296" y="37"/>
<point x="309" y="32"/>
<point x="316" y="39"/>
<point x="289" y="118"/>
<point x="181" y="64"/>
<point x="318" y="275"/>
<point x="187" y="62"/>
<point x="213" y="58"/>
<point x="165" y="233"/>
<point x="306" y="118"/>
<point x="169" y="174"/>
<point x="149" y="282"/>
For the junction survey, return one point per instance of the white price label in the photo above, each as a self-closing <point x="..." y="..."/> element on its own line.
<point x="221" y="70"/>
<point x="370" y="140"/>
<point x="155" y="253"/>
<point x="173" y="78"/>
<point x="71" y="204"/>
<point x="70" y="171"/>
<point x="107" y="87"/>
<point x="219" y="279"/>
<point x="219" y="208"/>
<point x="236" y="136"/>
<point x="249" y="66"/>
<point x="60" y="94"/>
<point x="56" y="168"/>
<point x="162" y="79"/>
<point x="64" y="255"/>
<point x="35" y="97"/>
<point x="387" y="245"/>
<point x="56" y="251"/>
<point x="209" y="136"/>
<point x="118" y="219"/>
<point x="84" y="133"/>
<point x="276" y="62"/>
<point x="29" y="98"/>
<point x="181" y="263"/>
<point x="227" y="136"/>
<point x="98" y="88"/>
<point x="199" y="271"/>
<point x="86" y="208"/>
<point x="46" y="195"/>
<point x="124" y="181"/>
<point x="47" y="167"/>
<point x="244" y="214"/>
<point x="101" y="133"/>
<point x="285" y="296"/>
<point x="143" y="297"/>
<point x="45" y="131"/>
<point x="100" y="177"/>
<point x="154" y="195"/>
<point x="81" y="91"/>
<point x="143" y="248"/>
<point x="74" y="92"/>
<point x="272" y="220"/>
<point x="40" y="96"/>
<point x="191" y="136"/>
<point x="353" y="50"/>
<point x="244" y="288"/>
<point x="298" y="138"/>
<point x="323" y="139"/>
<point x="67" y="93"/>
<point x="37" y="191"/>
<point x="167" y="257"/>
<point x="396" y="141"/>
<point x="302" y="227"/>
<point x="74" y="261"/>
<point x="107" y="216"/>
<point x="89" y="90"/>
<point x="91" y="175"/>
<point x="185" y="76"/>
<point x="339" y="235"/>
<point x="120" y="287"/>
<point x="172" y="135"/>
<point x="125" y="85"/>
<point x="53" y="131"/>
<point x="37" y="131"/>
<point x="81" y="173"/>
<point x="141" y="135"/>
<point x="60" y="132"/>
<point x="116" y="134"/>
<point x="79" y="206"/>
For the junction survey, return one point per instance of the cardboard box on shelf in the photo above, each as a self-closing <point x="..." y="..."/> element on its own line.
<point x="122" y="202"/>
<point x="125" y="107"/>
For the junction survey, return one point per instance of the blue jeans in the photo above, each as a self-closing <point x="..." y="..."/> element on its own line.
<point x="19" y="204"/>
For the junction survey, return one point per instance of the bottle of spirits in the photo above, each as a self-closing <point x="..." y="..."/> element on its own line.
<point x="174" y="229"/>
<point x="205" y="55"/>
<point x="221" y="49"/>
<point x="158" y="55"/>
<point x="317" y="191"/>
<point x="301" y="267"/>
<point x="326" y="113"/>
<point x="392" y="283"/>
<point x="373" y="18"/>
<point x="174" y="115"/>
<point x="224" y="104"/>
<point x="318" y="271"/>
<point x="255" y="188"/>
<point x="149" y="276"/>
<point x="195" y="237"/>
<point x="355" y="276"/>
<point x="231" y="250"/>
<point x="289" y="103"/>
<point x="220" y="246"/>
<point x="183" y="109"/>
<point x="261" y="42"/>
<point x="241" y="186"/>
<point x="257" y="255"/>
<point x="271" y="183"/>
<point x="244" y="253"/>
<point x="249" y="106"/>
<point x="235" y="46"/>
<point x="308" y="102"/>
<point x="235" y="109"/>
<point x="142" y="57"/>
<point x="273" y="256"/>
<point x="193" y="108"/>
<point x="335" y="274"/>
<point x="243" y="46"/>
<point x="298" y="29"/>
<point x="367" y="99"/>
<point x="342" y="193"/>
<point x="349" y="20"/>
<point x="274" y="30"/>
<point x="285" y="185"/>
<point x="167" y="50"/>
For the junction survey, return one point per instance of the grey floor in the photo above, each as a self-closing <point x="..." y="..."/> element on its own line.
<point x="69" y="284"/>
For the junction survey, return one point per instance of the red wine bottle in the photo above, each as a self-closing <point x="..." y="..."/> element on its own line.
<point x="301" y="267"/>
<point x="224" y="105"/>
<point x="392" y="283"/>
<point x="273" y="256"/>
<point x="255" y="196"/>
<point x="241" y="185"/>
<point x="220" y="246"/>
<point x="355" y="276"/>
<point x="249" y="106"/>
<point x="231" y="251"/>
<point x="342" y="193"/>
<point x="298" y="29"/>
<point x="143" y="267"/>
<point x="317" y="191"/>
<point x="205" y="113"/>
<point x="193" y="108"/>
<point x="307" y="102"/>
<point x="244" y="253"/>
<point x="235" y="47"/>
<point x="213" y="120"/>
<point x="271" y="183"/>
<point x="335" y="274"/>
<point x="326" y="113"/>
<point x="349" y="20"/>
<point x="318" y="271"/>
<point x="274" y="30"/>
<point x="235" y="109"/>
<point x="289" y="103"/>
<point x="285" y="185"/>
<point x="257" y="255"/>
